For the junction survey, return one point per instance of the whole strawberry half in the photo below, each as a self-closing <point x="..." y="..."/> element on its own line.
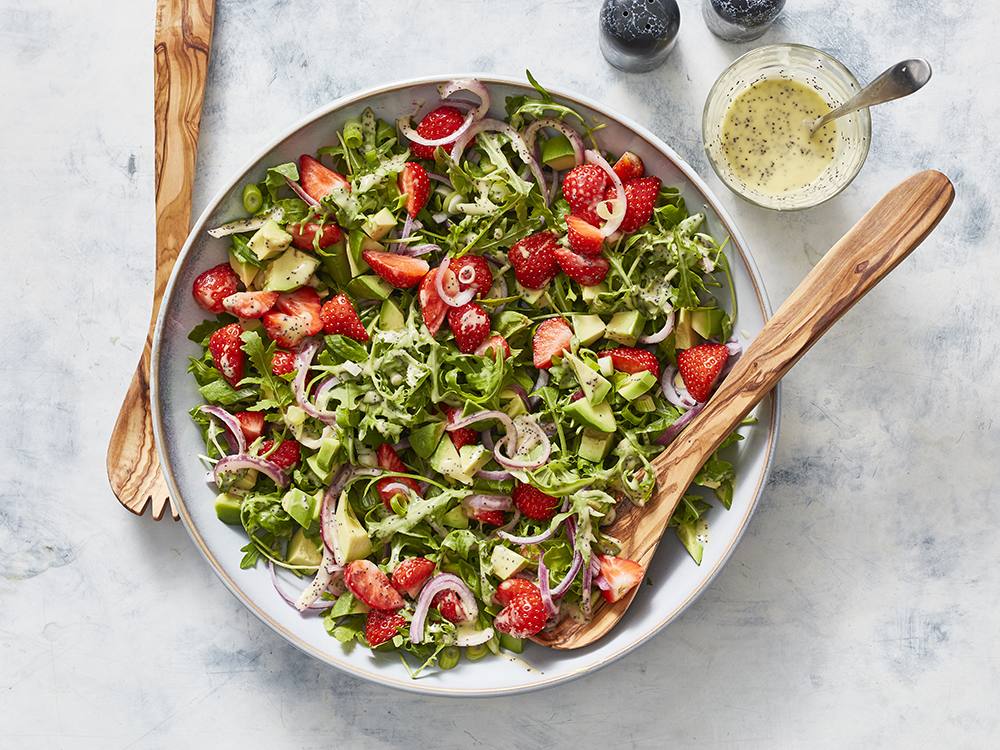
<point x="366" y="581"/>
<point x="411" y="574"/>
<point x="283" y="362"/>
<point x="552" y="338"/>
<point x="432" y="307"/>
<point x="339" y="316"/>
<point x="304" y="303"/>
<point x="630" y="359"/>
<point x="251" y="423"/>
<point x="401" y="271"/>
<point x="473" y="271"/>
<point x="471" y="325"/>
<point x="389" y="460"/>
<point x="583" y="187"/>
<point x="629" y="167"/>
<point x="437" y="124"/>
<point x="524" y="614"/>
<point x="212" y="287"/>
<point x="381" y="627"/>
<point x="414" y="183"/>
<point x="311" y="235"/>
<point x="533" y="260"/>
<point x="286" y="455"/>
<point x="249" y="305"/>
<point x="700" y="366"/>
<point x="583" y="237"/>
<point x="534" y="503"/>
<point x="317" y="180"/>
<point x="640" y="200"/>
<point x="621" y="575"/>
<point x="585" y="270"/>
<point x="226" y="348"/>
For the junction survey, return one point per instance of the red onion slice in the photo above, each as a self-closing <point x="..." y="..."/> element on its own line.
<point x="328" y="515"/>
<point x="536" y="539"/>
<point x="656" y="338"/>
<point x="246" y="225"/>
<point x="242" y="461"/>
<point x="303" y="360"/>
<point x="674" y="430"/>
<point x="297" y="189"/>
<point x="543" y="587"/>
<point x="485" y="502"/>
<point x="531" y="134"/>
<point x="231" y="423"/>
<point x="565" y="583"/>
<point x="440" y="177"/>
<point x="456" y="300"/>
<point x="509" y="461"/>
<point x="473" y="86"/>
<point x="481" y="416"/>
<point x="403" y="123"/>
<point x="615" y="220"/>
<point x="680" y="400"/>
<point x="494" y="476"/>
<point x="324" y="576"/>
<point x="437" y="584"/>
<point x="292" y="601"/>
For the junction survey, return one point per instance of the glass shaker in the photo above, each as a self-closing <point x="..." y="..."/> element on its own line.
<point x="740" y="20"/>
<point x="637" y="35"/>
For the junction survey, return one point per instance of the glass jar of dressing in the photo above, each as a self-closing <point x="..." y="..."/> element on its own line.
<point x="757" y="121"/>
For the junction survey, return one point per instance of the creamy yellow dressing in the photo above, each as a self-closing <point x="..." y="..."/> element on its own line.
<point x="765" y="136"/>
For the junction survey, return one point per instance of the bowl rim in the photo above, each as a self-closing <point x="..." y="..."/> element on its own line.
<point x="864" y="114"/>
<point x="414" y="686"/>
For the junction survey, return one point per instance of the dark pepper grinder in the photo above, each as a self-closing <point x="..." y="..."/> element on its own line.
<point x="637" y="35"/>
<point x="740" y="20"/>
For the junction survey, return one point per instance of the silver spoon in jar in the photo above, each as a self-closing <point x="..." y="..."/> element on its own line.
<point x="902" y="79"/>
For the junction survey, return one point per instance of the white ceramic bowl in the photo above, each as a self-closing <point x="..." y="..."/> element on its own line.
<point x="677" y="580"/>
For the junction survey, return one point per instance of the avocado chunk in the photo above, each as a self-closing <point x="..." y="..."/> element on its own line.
<point x="269" y="241"/>
<point x="473" y="458"/>
<point x="455" y="518"/>
<point x="328" y="448"/>
<point x="379" y="225"/>
<point x="447" y="461"/>
<point x="589" y="293"/>
<point x="635" y="384"/>
<point x="558" y="153"/>
<point x="588" y="328"/>
<point x="534" y="297"/>
<point x="335" y="263"/>
<point x="506" y="562"/>
<point x="514" y="405"/>
<point x="289" y="271"/>
<point x="299" y="506"/>
<point x="594" y="445"/>
<point x="600" y="417"/>
<point x="304" y="551"/>
<point x="684" y="334"/>
<point x="227" y="508"/>
<point x="424" y="440"/>
<point x="707" y="322"/>
<point x="317" y="468"/>
<point x="369" y="286"/>
<point x="390" y="317"/>
<point x="606" y="365"/>
<point x="354" y="542"/>
<point x="625" y="327"/>
<point x="245" y="271"/>
<point x="595" y="387"/>
<point x="357" y="243"/>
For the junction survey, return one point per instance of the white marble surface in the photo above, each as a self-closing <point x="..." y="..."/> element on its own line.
<point x="861" y="609"/>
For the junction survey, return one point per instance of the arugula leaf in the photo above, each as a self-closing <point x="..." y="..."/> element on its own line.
<point x="274" y="180"/>
<point x="272" y="388"/>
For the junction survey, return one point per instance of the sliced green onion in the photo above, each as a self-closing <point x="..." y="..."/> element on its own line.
<point x="253" y="199"/>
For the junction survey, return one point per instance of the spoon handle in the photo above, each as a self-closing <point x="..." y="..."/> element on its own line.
<point x="883" y="237"/>
<point x="902" y="79"/>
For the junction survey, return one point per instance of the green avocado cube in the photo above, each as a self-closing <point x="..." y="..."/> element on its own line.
<point x="304" y="551"/>
<point x="506" y="562"/>
<point x="290" y="271"/>
<point x="424" y="439"/>
<point x="269" y="241"/>
<point x="635" y="384"/>
<point x="599" y="416"/>
<point x="684" y="334"/>
<point x="594" y="445"/>
<point x="390" y="317"/>
<point x="227" y="508"/>
<point x="379" y="225"/>
<point x="558" y="153"/>
<point x="625" y="327"/>
<point x="369" y="286"/>
<point x="589" y="293"/>
<point x="595" y="387"/>
<point x="588" y="328"/>
<point x="707" y="322"/>
<point x="299" y="506"/>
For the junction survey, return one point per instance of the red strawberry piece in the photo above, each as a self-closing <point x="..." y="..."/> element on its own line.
<point x="584" y="237"/>
<point x="629" y="167"/>
<point x="700" y="367"/>
<point x="366" y="581"/>
<point x="382" y="626"/>
<point x="551" y="339"/>
<point x="479" y="272"/>
<point x="252" y="424"/>
<point x="416" y="185"/>
<point x="533" y="260"/>
<point x="512" y="588"/>
<point x="432" y="307"/>
<point x="249" y="305"/>
<point x="214" y="285"/>
<point x="436" y="125"/>
<point x="450" y="606"/>
<point x="471" y="325"/>
<point x="583" y="269"/>
<point x="284" y="329"/>
<point x="490" y="517"/>
<point x="524" y="614"/>
<point x="463" y="435"/>
<point x="583" y="187"/>
<point x="287" y="455"/>
<point x="534" y="503"/>
<point x="226" y="348"/>
<point x="339" y="316"/>
<point x="282" y="363"/>
<point x="401" y="271"/>
<point x="411" y="574"/>
<point x="622" y="576"/>
<point x="304" y="303"/>
<point x="492" y="344"/>
<point x="389" y="460"/>
<point x="319" y="181"/>
<point x="304" y="236"/>
<point x="640" y="198"/>
<point x="629" y="359"/>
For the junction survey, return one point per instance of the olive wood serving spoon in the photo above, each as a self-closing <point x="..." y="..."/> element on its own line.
<point x="860" y="259"/>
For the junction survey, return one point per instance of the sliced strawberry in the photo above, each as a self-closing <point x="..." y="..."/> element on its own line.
<point x="533" y="260"/>
<point x="252" y="424"/>
<point x="640" y="199"/>
<point x="339" y="316"/>
<point x="475" y="271"/>
<point x="583" y="269"/>
<point x="463" y="435"/>
<point x="492" y="344"/>
<point x="490" y="517"/>
<point x="366" y="581"/>
<point x="226" y="348"/>
<point x="524" y="615"/>
<point x="282" y="363"/>
<point x="471" y="325"/>
<point x="286" y="330"/>
<point x="629" y="359"/>
<point x="319" y="181"/>
<point x="416" y="185"/>
<point x="437" y="124"/>
<point x="551" y="339"/>
<point x="629" y="167"/>
<point x="534" y="503"/>
<point x="432" y="307"/>
<point x="583" y="187"/>
<point x="389" y="460"/>
<point x="620" y="574"/>
<point x="584" y="238"/>
<point x="700" y="366"/>
<point x="512" y="588"/>
<point x="213" y="286"/>
<point x="450" y="606"/>
<point x="402" y="271"/>
<point x="411" y="574"/>
<point x="305" y="303"/>
<point x="382" y="626"/>
<point x="249" y="305"/>
<point x="287" y="455"/>
<point x="304" y="236"/>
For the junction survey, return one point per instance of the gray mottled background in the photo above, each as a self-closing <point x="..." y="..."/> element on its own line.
<point x="861" y="610"/>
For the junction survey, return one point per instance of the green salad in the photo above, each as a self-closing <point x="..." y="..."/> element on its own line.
<point x="442" y="354"/>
